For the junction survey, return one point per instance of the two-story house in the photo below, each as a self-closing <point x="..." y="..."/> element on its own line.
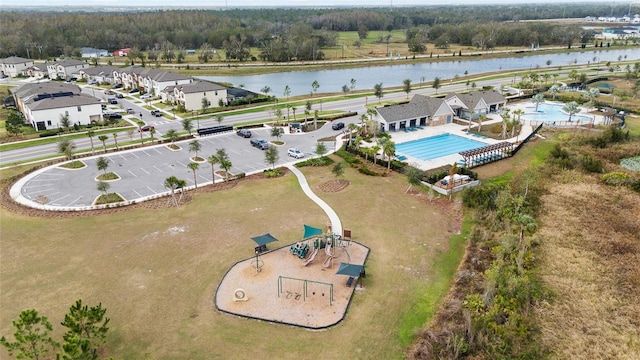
<point x="14" y="66"/>
<point x="191" y="95"/>
<point x="65" y="69"/>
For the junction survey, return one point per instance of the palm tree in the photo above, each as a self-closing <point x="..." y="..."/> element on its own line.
<point x="537" y="99"/>
<point x="481" y="118"/>
<point x="66" y="147"/>
<point x="352" y="131"/>
<point x="571" y="108"/>
<point x="187" y="125"/>
<point x="471" y="113"/>
<point x="375" y="149"/>
<point x="225" y="162"/>
<point x="389" y="149"/>
<point x="173" y="183"/>
<point x="115" y="140"/>
<point x="307" y="113"/>
<point x="316" y="115"/>
<point x="172" y="135"/>
<point x="278" y="112"/>
<point x="194" y="147"/>
<point x="452" y="172"/>
<point x="516" y="120"/>
<point x="293" y="108"/>
<point x="287" y="91"/>
<point x="193" y="167"/>
<point x="213" y="160"/>
<point x="289" y="106"/>
<point x="554" y="90"/>
<point x="103" y="138"/>
<point x="152" y="132"/>
<point x="505" y="119"/>
<point x="90" y="134"/>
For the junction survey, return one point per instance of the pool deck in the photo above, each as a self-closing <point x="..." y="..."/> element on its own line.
<point x="454" y="129"/>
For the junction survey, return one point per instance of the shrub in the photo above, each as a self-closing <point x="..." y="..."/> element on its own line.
<point x="323" y="161"/>
<point x="366" y="171"/>
<point x="635" y="186"/>
<point x="271" y="173"/>
<point x="481" y="197"/>
<point x="615" y="178"/>
<point x="48" y="133"/>
<point x="348" y="157"/>
<point x="590" y="164"/>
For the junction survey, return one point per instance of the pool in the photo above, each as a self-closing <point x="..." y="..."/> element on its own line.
<point x="437" y="146"/>
<point x="551" y="113"/>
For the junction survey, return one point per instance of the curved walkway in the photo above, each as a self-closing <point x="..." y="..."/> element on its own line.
<point x="336" y="225"/>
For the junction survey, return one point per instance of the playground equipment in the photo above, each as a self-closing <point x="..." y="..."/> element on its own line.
<point x="240" y="295"/>
<point x="299" y="288"/>
<point x="313" y="256"/>
<point x="299" y="249"/>
<point x="330" y="255"/>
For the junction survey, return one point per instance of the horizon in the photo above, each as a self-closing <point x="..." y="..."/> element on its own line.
<point x="222" y="4"/>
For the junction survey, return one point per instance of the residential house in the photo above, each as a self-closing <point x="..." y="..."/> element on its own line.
<point x="14" y="65"/>
<point x="44" y="104"/>
<point x="122" y="52"/>
<point x="36" y="71"/>
<point x="473" y="104"/>
<point x="90" y="52"/>
<point x="191" y="95"/>
<point x="420" y="111"/>
<point x="150" y="80"/>
<point x="103" y="73"/>
<point x="65" y="69"/>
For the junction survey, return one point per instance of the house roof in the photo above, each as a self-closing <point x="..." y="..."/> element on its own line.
<point x="68" y="62"/>
<point x="53" y="87"/>
<point x="200" y="86"/>
<point x="97" y="70"/>
<point x="471" y="99"/>
<point x="154" y="74"/>
<point x="419" y="106"/>
<point x="12" y="60"/>
<point x="61" y="101"/>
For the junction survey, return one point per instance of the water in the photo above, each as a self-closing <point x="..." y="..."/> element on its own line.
<point x="437" y="146"/>
<point x="551" y="113"/>
<point x="393" y="75"/>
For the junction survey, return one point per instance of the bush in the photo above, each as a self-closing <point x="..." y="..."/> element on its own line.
<point x="635" y="186"/>
<point x="589" y="164"/>
<point x="48" y="133"/>
<point x="271" y="173"/>
<point x="365" y="171"/>
<point x="481" y="197"/>
<point x="615" y="178"/>
<point x="348" y="157"/>
<point x="323" y="161"/>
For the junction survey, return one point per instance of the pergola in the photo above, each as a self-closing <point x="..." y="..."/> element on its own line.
<point x="487" y="154"/>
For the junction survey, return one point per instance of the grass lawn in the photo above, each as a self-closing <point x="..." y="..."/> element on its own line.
<point x="156" y="269"/>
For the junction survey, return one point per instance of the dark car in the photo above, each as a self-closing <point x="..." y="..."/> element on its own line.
<point x="337" y="126"/>
<point x="120" y="96"/>
<point x="112" y="101"/>
<point x="117" y="86"/>
<point x="156" y="113"/>
<point x="146" y="128"/>
<point x="133" y="91"/>
<point x="260" y="144"/>
<point x="244" y="133"/>
<point x="112" y="115"/>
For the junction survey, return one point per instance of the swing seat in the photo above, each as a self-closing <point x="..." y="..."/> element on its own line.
<point x="350" y="281"/>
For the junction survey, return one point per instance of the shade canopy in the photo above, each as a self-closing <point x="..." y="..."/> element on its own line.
<point x="310" y="231"/>
<point x="264" y="239"/>
<point x="349" y="269"/>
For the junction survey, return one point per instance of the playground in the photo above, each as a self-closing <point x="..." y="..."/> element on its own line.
<point x="301" y="284"/>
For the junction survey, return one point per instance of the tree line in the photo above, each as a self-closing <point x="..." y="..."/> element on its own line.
<point x="284" y="34"/>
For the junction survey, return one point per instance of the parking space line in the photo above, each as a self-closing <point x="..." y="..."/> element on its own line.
<point x="148" y="173"/>
<point x="74" y="201"/>
<point x="137" y="193"/>
<point x="155" y="167"/>
<point x="131" y="172"/>
<point x="184" y="165"/>
<point x="152" y="191"/>
<point x="40" y="191"/>
<point x="135" y="155"/>
<point x="55" y="202"/>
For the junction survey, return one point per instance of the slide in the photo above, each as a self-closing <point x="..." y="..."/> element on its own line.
<point x="327" y="261"/>
<point x="310" y="259"/>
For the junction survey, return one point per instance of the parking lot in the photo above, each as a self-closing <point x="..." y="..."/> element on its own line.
<point x="143" y="171"/>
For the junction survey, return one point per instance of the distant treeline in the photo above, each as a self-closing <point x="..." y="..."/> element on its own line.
<point x="289" y="34"/>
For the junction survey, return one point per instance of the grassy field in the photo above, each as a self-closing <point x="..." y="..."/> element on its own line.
<point x="156" y="268"/>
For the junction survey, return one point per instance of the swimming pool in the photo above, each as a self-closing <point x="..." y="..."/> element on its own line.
<point x="437" y="146"/>
<point x="551" y="113"/>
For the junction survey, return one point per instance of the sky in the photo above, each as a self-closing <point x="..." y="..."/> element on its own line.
<point x="274" y="3"/>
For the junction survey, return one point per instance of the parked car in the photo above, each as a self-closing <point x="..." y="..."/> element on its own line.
<point x="296" y="153"/>
<point x="244" y="133"/>
<point x="117" y="86"/>
<point x="109" y="92"/>
<point x="112" y="115"/>
<point x="337" y="125"/>
<point x="112" y="101"/>
<point x="70" y="80"/>
<point x="146" y="128"/>
<point x="133" y="91"/>
<point x="120" y="96"/>
<point x="92" y="82"/>
<point x="146" y="96"/>
<point x="260" y="144"/>
<point x="130" y="111"/>
<point x="156" y="113"/>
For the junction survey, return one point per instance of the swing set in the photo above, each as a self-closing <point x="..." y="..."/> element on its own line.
<point x="303" y="288"/>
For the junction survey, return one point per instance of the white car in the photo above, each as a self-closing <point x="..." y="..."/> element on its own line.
<point x="146" y="96"/>
<point x="294" y="152"/>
